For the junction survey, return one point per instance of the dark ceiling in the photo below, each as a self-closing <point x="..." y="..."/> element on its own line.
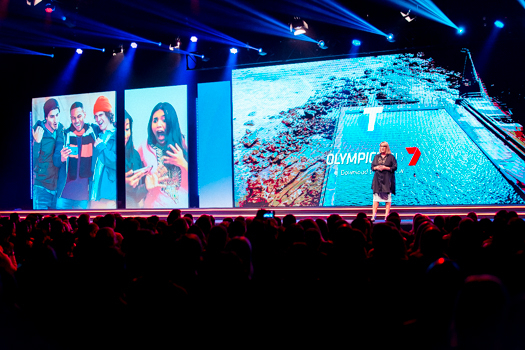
<point x="110" y="23"/>
<point x="164" y="21"/>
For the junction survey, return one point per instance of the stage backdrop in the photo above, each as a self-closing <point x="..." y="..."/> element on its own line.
<point x="305" y="134"/>
<point x="87" y="177"/>
<point x="214" y="136"/>
<point x="156" y="172"/>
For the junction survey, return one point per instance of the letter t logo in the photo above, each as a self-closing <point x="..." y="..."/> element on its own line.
<point x="372" y="115"/>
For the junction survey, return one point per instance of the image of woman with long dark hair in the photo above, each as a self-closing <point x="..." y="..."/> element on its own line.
<point x="135" y="170"/>
<point x="165" y="151"/>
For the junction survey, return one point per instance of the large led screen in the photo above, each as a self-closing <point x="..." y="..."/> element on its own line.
<point x="305" y="134"/>
<point x="74" y="152"/>
<point x="156" y="151"/>
<point x="214" y="136"/>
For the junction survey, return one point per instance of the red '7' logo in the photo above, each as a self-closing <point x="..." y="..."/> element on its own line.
<point x="416" y="154"/>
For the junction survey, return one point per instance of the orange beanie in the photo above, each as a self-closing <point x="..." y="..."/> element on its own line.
<point x="102" y="105"/>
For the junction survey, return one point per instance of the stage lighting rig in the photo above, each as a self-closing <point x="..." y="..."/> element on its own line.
<point x="176" y="46"/>
<point x="196" y="54"/>
<point x="298" y="26"/>
<point x="33" y="2"/>
<point x="260" y="50"/>
<point x="119" y="49"/>
<point x="50" y="7"/>
<point x="322" y="45"/>
<point x="407" y="17"/>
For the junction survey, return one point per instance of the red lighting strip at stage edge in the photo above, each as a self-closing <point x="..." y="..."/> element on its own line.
<point x="347" y="213"/>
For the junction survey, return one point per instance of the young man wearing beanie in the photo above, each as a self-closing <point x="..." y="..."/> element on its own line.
<point x="74" y="155"/>
<point x="104" y="188"/>
<point x="45" y="173"/>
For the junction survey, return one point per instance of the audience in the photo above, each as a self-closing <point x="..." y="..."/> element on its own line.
<point x="448" y="283"/>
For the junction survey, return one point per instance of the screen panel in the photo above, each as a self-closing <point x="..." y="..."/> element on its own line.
<point x="156" y="172"/>
<point x="214" y="136"/>
<point x="305" y="135"/>
<point x="74" y="152"/>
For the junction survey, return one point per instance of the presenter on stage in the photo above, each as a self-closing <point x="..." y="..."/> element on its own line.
<point x="384" y="182"/>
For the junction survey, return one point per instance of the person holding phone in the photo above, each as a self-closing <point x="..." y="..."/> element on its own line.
<point x="135" y="170"/>
<point x="74" y="156"/>
<point x="384" y="166"/>
<point x="104" y="187"/>
<point x="165" y="150"/>
<point x="45" y="173"/>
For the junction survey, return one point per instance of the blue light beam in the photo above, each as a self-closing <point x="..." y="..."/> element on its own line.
<point x="38" y="38"/>
<point x="334" y="10"/>
<point x="4" y="48"/>
<point x="168" y="13"/>
<point x="89" y="27"/>
<point x="122" y="75"/>
<point x="268" y="25"/>
<point x="66" y="77"/>
<point x="426" y="8"/>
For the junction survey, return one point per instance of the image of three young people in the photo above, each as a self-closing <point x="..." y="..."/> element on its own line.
<point x="75" y="167"/>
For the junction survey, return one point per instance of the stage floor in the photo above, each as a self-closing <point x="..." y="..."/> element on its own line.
<point x="347" y="213"/>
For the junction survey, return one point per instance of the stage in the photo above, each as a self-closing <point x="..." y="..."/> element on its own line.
<point x="347" y="213"/>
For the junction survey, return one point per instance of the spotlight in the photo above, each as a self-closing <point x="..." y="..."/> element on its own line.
<point x="407" y="17"/>
<point x="233" y="50"/>
<point x="193" y="39"/>
<point x="119" y="49"/>
<point x="50" y="7"/>
<point x="261" y="52"/>
<point x="172" y="48"/>
<point x="499" y="24"/>
<point x="79" y="51"/>
<point x="103" y="50"/>
<point x="160" y="44"/>
<point x="177" y="46"/>
<point x="298" y="26"/>
<point x="33" y="2"/>
<point x="133" y="45"/>
<point x="322" y="45"/>
<point x="356" y="42"/>
<point x="64" y="18"/>
<point x="390" y="38"/>
<point x="461" y="30"/>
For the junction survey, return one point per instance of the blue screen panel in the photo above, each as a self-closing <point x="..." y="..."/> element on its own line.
<point x="214" y="137"/>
